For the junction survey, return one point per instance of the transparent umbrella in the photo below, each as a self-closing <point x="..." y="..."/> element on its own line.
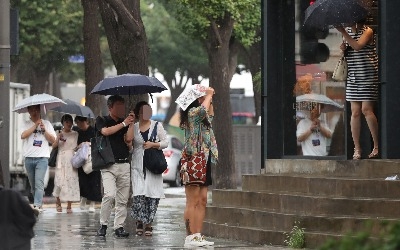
<point x="308" y="101"/>
<point x="46" y="101"/>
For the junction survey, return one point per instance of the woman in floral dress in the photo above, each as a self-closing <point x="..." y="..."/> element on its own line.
<point x="66" y="181"/>
<point x="197" y="114"/>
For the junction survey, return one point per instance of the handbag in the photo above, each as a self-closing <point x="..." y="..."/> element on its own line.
<point x="101" y="151"/>
<point x="87" y="167"/>
<point x="153" y="158"/>
<point x="80" y="156"/>
<point x="53" y="157"/>
<point x="193" y="166"/>
<point x="340" y="72"/>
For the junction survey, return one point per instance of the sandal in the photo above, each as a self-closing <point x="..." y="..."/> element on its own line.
<point x="69" y="210"/>
<point x="58" y="207"/>
<point x="139" y="228"/>
<point x="148" y="231"/>
<point x="357" y="154"/>
<point x="374" y="153"/>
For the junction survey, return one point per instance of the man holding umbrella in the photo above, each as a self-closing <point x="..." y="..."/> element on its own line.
<point x="37" y="135"/>
<point x="116" y="178"/>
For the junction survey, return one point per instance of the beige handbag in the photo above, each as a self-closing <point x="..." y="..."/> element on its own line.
<point x="340" y="72"/>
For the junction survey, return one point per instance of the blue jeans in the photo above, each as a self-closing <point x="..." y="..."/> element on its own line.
<point x="36" y="168"/>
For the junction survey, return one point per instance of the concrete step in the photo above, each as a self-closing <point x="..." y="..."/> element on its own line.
<point x="275" y="221"/>
<point x="322" y="186"/>
<point x="260" y="236"/>
<point x="307" y="205"/>
<point x="333" y="168"/>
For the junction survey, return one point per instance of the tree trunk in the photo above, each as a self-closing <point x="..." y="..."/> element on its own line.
<point x="218" y="48"/>
<point x="93" y="64"/>
<point x="126" y="38"/>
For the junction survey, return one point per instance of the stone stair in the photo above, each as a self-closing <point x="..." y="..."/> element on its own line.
<point x="329" y="199"/>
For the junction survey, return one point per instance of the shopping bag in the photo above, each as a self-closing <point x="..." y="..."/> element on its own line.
<point x="80" y="156"/>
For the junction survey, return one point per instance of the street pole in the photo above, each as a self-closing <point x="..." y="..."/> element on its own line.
<point x="5" y="92"/>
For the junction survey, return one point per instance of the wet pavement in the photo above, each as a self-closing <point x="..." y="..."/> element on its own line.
<point x="78" y="230"/>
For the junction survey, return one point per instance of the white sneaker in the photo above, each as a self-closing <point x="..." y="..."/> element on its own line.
<point x="194" y="241"/>
<point x="83" y="203"/>
<point x="91" y="208"/>
<point x="208" y="243"/>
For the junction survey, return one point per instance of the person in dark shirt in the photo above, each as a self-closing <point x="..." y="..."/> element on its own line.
<point x="16" y="220"/>
<point x="116" y="178"/>
<point x="89" y="184"/>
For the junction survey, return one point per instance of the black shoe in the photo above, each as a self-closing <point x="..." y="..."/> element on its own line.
<point x="120" y="232"/>
<point x="102" y="231"/>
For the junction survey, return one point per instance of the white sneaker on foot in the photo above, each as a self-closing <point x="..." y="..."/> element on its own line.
<point x="83" y="203"/>
<point x="194" y="241"/>
<point x="91" y="207"/>
<point x="208" y="243"/>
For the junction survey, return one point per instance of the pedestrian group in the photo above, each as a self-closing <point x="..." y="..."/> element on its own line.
<point x="129" y="137"/>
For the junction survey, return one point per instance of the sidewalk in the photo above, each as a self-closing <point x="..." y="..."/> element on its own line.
<point x="78" y="230"/>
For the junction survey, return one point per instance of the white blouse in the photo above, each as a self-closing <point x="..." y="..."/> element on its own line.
<point x="152" y="186"/>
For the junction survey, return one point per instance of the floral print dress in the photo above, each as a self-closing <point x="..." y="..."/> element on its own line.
<point x="66" y="181"/>
<point x="207" y="137"/>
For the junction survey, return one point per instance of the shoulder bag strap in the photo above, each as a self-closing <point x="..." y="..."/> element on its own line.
<point x="153" y="133"/>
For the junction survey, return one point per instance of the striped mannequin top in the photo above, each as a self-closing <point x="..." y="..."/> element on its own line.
<point x="362" y="76"/>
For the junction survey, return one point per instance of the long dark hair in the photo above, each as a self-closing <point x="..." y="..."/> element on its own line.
<point x="184" y="114"/>
<point x="138" y="106"/>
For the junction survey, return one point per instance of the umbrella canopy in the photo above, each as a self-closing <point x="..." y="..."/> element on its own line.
<point x="74" y="108"/>
<point x="307" y="100"/>
<point x="128" y="84"/>
<point x="330" y="13"/>
<point x="44" y="100"/>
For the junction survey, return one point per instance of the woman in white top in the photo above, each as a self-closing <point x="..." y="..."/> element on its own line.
<point x="147" y="187"/>
<point x="66" y="180"/>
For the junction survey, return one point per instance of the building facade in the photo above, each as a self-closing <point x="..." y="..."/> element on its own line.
<point x="297" y="61"/>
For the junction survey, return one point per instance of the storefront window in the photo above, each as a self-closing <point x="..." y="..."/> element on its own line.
<point x="319" y="100"/>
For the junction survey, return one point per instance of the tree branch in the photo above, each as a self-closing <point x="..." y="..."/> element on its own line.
<point x="125" y="17"/>
<point x="216" y="32"/>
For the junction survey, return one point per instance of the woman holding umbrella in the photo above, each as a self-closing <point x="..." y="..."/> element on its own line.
<point x="362" y="81"/>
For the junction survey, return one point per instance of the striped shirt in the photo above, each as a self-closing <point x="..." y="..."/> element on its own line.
<point x="362" y="77"/>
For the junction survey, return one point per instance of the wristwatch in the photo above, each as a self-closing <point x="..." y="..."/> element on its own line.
<point x="123" y="124"/>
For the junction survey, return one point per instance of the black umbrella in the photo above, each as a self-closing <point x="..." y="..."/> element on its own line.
<point x="74" y="108"/>
<point x="331" y="13"/>
<point x="128" y="84"/>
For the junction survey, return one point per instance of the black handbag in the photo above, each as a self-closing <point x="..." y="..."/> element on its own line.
<point x="101" y="151"/>
<point x="153" y="158"/>
<point x="53" y="157"/>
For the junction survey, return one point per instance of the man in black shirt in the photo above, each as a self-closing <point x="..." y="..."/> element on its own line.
<point x="116" y="178"/>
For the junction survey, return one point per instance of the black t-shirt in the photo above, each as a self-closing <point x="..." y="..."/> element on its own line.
<point x="85" y="135"/>
<point x="118" y="145"/>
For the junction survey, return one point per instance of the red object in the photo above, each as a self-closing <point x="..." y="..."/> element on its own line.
<point x="193" y="171"/>
<point x="312" y="2"/>
<point x="168" y="153"/>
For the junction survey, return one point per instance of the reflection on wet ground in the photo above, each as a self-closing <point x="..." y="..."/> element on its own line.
<point x="78" y="231"/>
